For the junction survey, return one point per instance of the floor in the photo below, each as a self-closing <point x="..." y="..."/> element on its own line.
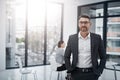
<point x="44" y="73"/>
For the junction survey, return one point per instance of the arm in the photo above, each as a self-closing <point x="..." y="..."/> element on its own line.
<point x="67" y="56"/>
<point x="102" y="55"/>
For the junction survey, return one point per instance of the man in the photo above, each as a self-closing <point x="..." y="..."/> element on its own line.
<point x="86" y="48"/>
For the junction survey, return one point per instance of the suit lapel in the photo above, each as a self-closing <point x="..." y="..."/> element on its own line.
<point x="76" y="42"/>
<point x="75" y="50"/>
<point x="92" y="43"/>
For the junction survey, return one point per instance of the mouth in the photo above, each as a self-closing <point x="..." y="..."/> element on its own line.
<point x="84" y="29"/>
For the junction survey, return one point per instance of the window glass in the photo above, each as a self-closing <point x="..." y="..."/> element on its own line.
<point x="27" y="25"/>
<point x="113" y="35"/>
<point x="97" y="26"/>
<point x="114" y="8"/>
<point x="93" y="10"/>
<point x="15" y="32"/>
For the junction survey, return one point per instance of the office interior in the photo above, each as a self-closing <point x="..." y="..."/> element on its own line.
<point x="30" y="29"/>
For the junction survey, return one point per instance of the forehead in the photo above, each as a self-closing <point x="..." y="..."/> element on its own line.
<point x="84" y="19"/>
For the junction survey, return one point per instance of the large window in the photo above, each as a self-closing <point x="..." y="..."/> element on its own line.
<point x="113" y="31"/>
<point x="33" y="29"/>
<point x="105" y="17"/>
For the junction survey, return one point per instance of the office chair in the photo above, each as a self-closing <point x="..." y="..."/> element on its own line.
<point x="53" y="66"/>
<point x="25" y="71"/>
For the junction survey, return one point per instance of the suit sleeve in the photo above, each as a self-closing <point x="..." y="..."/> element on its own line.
<point x="67" y="56"/>
<point x="102" y="54"/>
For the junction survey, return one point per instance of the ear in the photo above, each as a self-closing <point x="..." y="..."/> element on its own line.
<point x="90" y="23"/>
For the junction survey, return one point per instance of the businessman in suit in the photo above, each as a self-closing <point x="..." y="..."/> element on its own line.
<point x="86" y="48"/>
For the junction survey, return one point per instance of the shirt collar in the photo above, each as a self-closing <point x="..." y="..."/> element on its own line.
<point x="87" y="37"/>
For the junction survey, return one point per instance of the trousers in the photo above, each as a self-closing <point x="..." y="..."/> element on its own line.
<point x="80" y="75"/>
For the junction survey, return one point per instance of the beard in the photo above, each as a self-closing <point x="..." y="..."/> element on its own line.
<point x="84" y="29"/>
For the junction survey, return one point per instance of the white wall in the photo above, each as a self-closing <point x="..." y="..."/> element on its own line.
<point x="2" y="34"/>
<point x="70" y="19"/>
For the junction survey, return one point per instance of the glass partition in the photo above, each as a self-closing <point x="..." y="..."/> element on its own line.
<point x="114" y="8"/>
<point x="93" y="10"/>
<point x="15" y="32"/>
<point x="113" y="37"/>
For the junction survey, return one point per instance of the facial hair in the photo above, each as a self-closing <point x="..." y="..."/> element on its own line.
<point x="83" y="29"/>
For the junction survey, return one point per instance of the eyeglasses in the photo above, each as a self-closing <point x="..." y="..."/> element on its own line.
<point x="84" y="22"/>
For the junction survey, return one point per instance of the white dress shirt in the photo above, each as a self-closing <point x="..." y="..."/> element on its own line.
<point x="84" y="55"/>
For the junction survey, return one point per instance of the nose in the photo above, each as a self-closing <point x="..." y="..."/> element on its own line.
<point x="83" y="24"/>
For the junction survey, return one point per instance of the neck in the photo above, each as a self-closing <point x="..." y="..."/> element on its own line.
<point x="84" y="34"/>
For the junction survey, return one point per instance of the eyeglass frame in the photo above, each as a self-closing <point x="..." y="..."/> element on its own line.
<point x="85" y="22"/>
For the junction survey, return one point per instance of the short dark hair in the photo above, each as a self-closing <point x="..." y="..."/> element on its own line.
<point x="84" y="16"/>
<point x="59" y="43"/>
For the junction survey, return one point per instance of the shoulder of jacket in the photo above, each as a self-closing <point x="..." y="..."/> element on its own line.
<point x="73" y="35"/>
<point x="96" y="35"/>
